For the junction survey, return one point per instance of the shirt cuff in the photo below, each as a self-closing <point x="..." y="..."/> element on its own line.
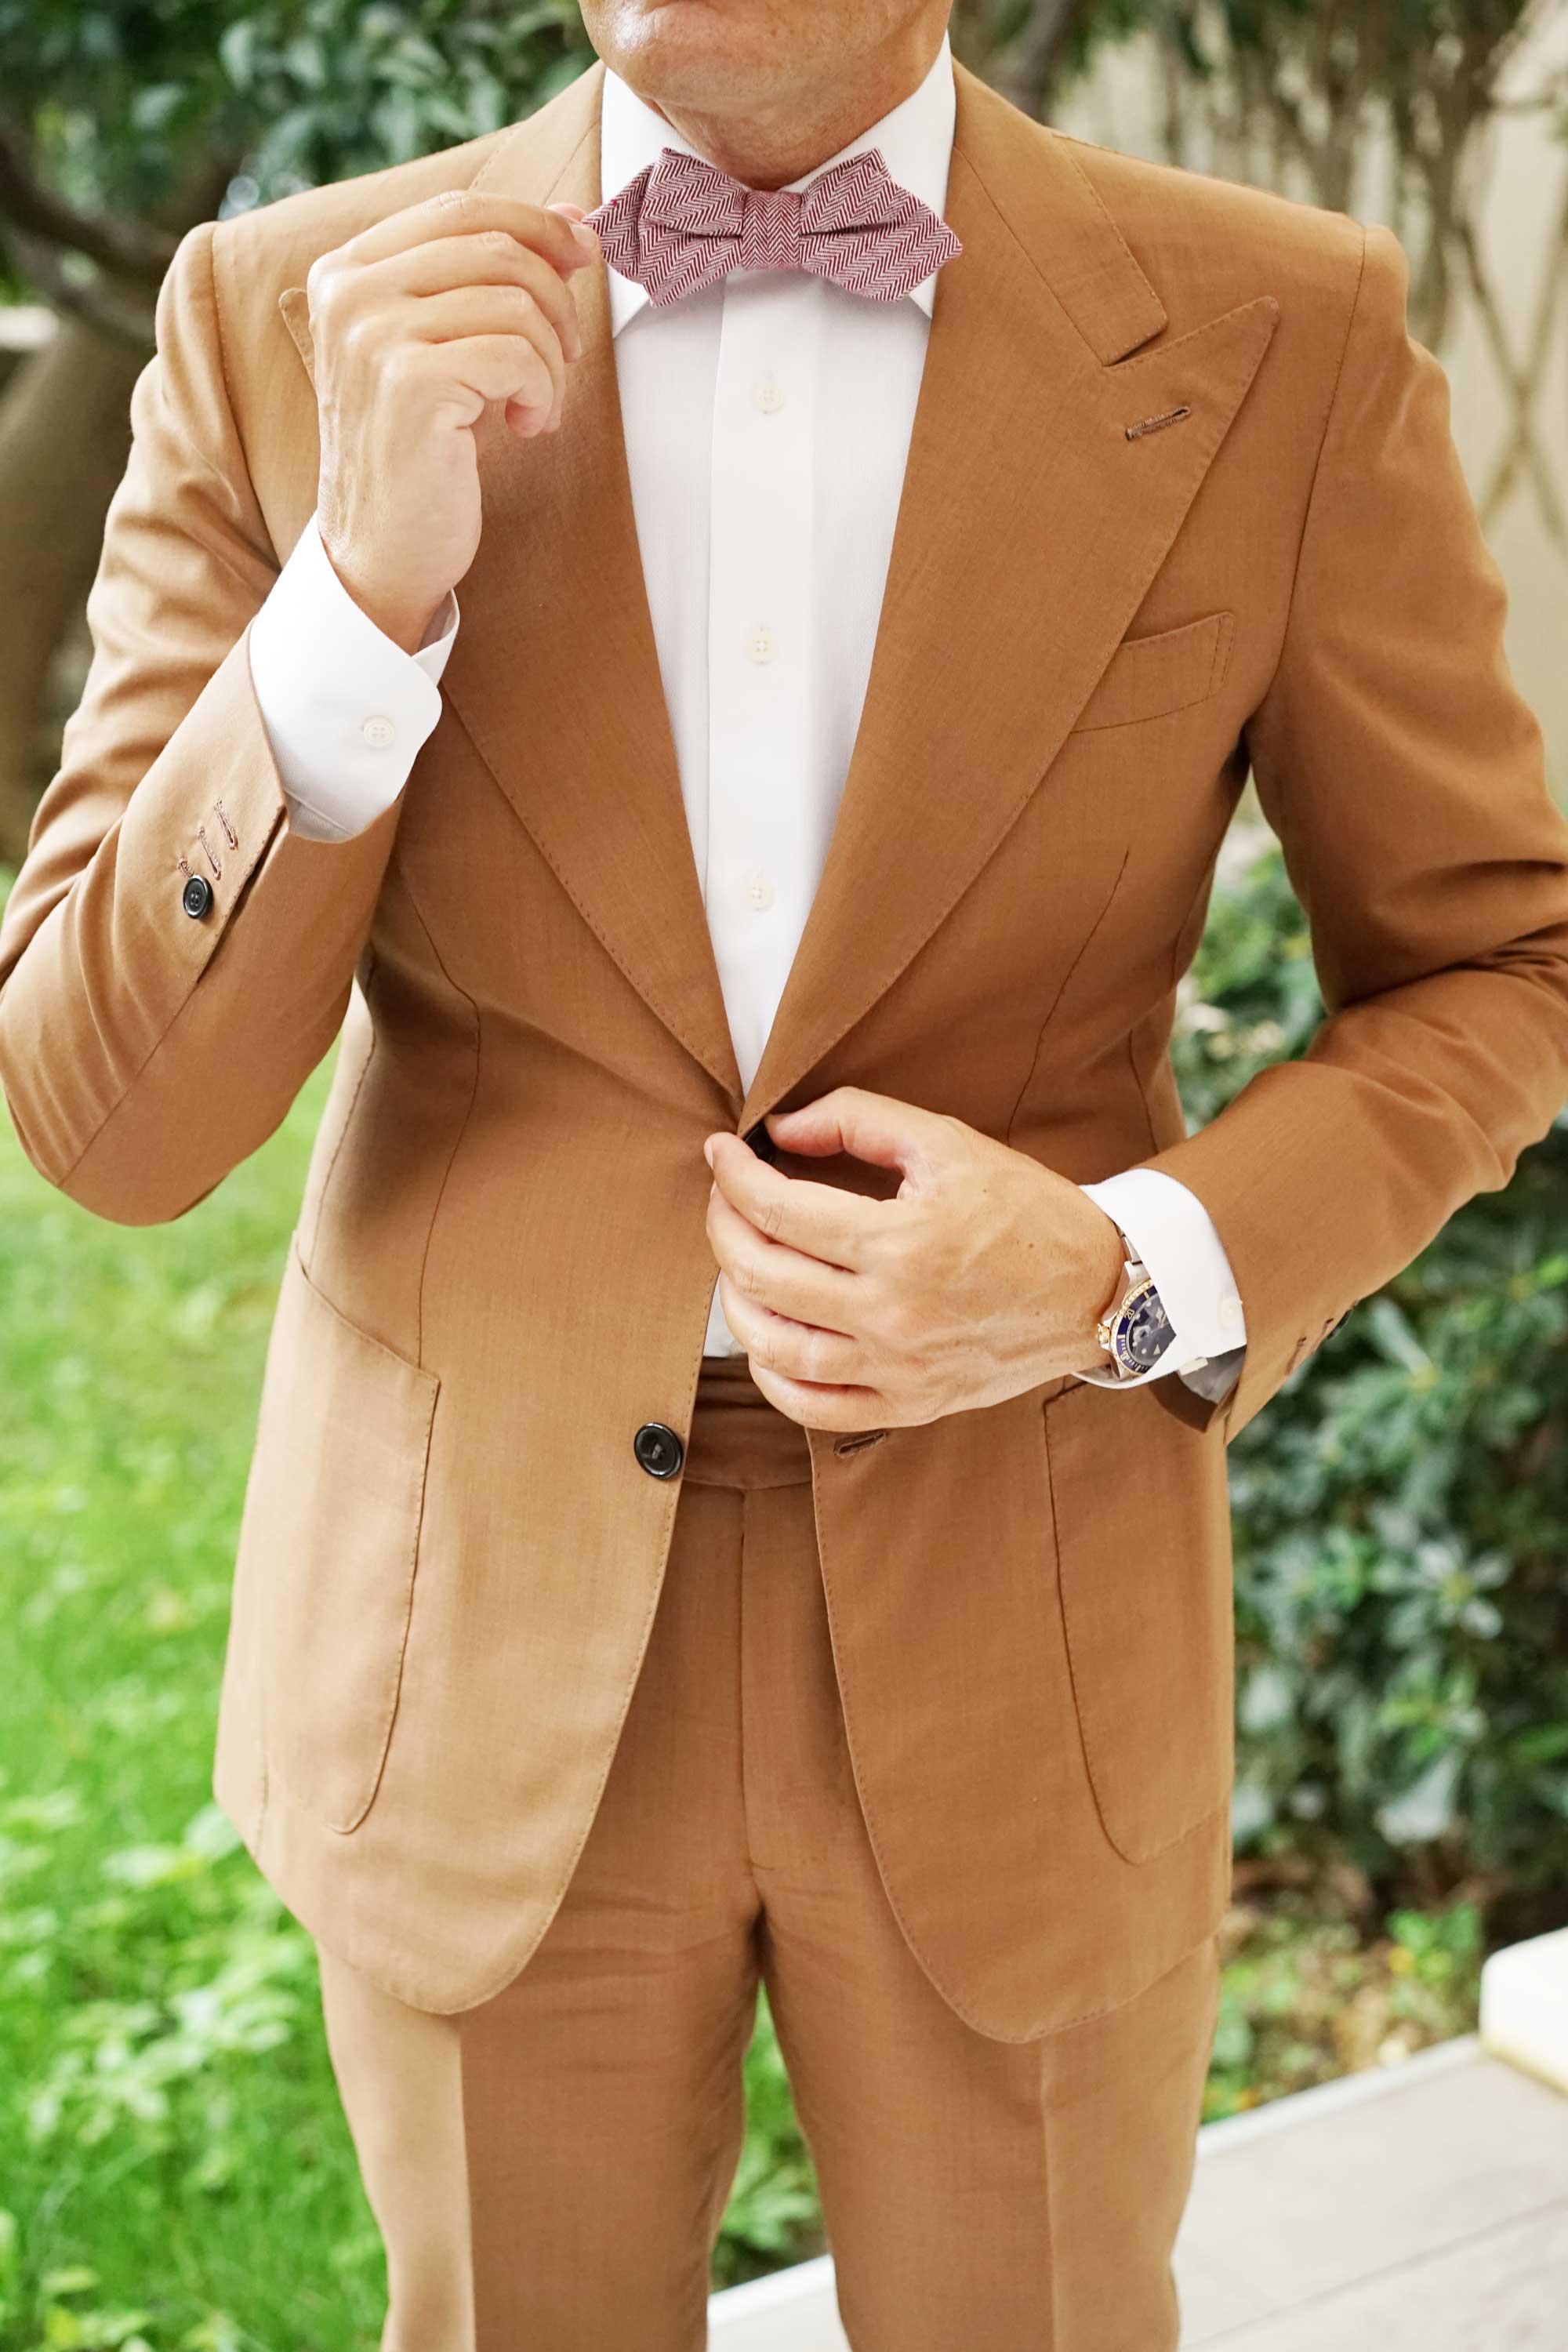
<point x="346" y="710"/>
<point x="1173" y="1235"/>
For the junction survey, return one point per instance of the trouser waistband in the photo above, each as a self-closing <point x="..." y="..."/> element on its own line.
<point x="739" y="1438"/>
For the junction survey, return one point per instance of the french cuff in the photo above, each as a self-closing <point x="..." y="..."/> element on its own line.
<point x="1173" y="1235"/>
<point x="346" y="710"/>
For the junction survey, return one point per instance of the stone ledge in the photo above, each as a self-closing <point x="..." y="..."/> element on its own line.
<point x="1525" y="2007"/>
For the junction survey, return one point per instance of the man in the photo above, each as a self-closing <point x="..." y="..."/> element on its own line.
<point x="696" y="1529"/>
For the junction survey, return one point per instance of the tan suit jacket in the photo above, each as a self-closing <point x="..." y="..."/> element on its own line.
<point x="450" y="1554"/>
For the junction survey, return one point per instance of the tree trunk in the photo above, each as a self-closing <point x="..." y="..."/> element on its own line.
<point x="65" y="435"/>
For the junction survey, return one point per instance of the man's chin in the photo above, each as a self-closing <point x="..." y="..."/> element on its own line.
<point x="701" y="55"/>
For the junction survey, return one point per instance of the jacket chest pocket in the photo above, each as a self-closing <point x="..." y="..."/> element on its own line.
<point x="329" y="1545"/>
<point x="1142" y="1508"/>
<point x="1154" y="676"/>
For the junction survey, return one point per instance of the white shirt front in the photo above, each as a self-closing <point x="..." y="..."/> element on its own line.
<point x="767" y="423"/>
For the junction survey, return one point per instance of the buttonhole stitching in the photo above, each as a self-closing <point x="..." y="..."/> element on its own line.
<point x="1156" y="424"/>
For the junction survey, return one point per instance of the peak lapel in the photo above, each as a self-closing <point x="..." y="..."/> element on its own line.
<point x="554" y="675"/>
<point x="1029" y="530"/>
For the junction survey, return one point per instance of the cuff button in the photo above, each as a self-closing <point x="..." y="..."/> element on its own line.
<point x="196" y="897"/>
<point x="378" y="732"/>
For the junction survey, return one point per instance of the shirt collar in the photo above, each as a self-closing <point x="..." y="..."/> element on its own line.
<point x="915" y="138"/>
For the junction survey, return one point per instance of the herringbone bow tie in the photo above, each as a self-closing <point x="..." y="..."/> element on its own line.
<point x="681" y="225"/>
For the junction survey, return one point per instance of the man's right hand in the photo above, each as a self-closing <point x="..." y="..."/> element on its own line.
<point x="419" y="322"/>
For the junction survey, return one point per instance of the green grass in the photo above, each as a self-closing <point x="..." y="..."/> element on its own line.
<point x="174" y="2170"/>
<point x="170" y="2145"/>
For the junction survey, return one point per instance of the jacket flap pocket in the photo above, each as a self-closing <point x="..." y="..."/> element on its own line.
<point x="1143" y="1523"/>
<point x="330" y="1543"/>
<point x="1150" y="678"/>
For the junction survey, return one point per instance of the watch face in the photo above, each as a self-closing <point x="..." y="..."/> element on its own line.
<point x="1144" y="1331"/>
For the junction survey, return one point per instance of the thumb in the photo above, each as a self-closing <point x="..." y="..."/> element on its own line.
<point x="875" y="1127"/>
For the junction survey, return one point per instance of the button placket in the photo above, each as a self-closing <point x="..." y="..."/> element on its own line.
<point x="762" y="843"/>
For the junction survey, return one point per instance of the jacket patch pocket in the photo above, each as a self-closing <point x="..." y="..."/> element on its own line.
<point x="329" y="1545"/>
<point x="1150" y="677"/>
<point x="1142" y="1508"/>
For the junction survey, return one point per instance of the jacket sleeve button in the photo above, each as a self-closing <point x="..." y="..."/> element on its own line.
<point x="658" y="1450"/>
<point x="196" y="897"/>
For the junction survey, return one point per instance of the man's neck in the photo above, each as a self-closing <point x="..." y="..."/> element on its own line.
<point x="771" y="146"/>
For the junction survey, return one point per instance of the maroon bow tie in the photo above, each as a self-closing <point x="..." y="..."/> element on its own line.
<point x="682" y="225"/>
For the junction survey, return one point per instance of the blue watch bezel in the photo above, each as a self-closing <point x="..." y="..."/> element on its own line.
<point x="1121" y="1323"/>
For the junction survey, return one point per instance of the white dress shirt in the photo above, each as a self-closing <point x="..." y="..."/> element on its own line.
<point x="767" y="423"/>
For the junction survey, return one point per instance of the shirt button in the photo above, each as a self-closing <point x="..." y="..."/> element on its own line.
<point x="378" y="732"/>
<point x="761" y="644"/>
<point x="1230" y="1310"/>
<point x="759" y="889"/>
<point x="768" y="396"/>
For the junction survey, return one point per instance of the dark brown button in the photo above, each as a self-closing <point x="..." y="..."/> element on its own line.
<point x="196" y="897"/>
<point x="658" y="1450"/>
<point x="761" y="1142"/>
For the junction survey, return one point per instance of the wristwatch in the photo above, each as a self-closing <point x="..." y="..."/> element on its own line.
<point x="1135" y="1329"/>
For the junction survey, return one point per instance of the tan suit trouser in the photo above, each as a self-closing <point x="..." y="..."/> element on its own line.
<point x="550" y="2169"/>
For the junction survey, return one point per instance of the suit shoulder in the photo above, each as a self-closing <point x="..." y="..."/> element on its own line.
<point x="1208" y="243"/>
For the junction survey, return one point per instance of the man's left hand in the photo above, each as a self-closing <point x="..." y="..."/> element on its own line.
<point x="983" y="1274"/>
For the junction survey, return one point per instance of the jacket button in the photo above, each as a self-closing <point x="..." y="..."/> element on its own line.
<point x="197" y="896"/>
<point x="762" y="1142"/>
<point x="658" y="1450"/>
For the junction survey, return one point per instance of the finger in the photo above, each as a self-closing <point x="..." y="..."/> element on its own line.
<point x="461" y="212"/>
<point x="780" y="1344"/>
<point x="489" y="367"/>
<point x="473" y="314"/>
<point x="875" y="1127"/>
<point x="847" y="1409"/>
<point x="490" y="258"/>
<point x="779" y="1277"/>
<point x="821" y="1220"/>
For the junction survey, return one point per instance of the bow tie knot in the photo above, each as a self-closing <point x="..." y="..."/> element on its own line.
<point x="681" y="225"/>
<point x="769" y="229"/>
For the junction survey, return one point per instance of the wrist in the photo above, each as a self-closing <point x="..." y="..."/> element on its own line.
<point x="406" y="623"/>
<point x="1106" y="1283"/>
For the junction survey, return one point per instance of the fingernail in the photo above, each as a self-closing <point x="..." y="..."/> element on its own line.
<point x="585" y="236"/>
<point x="707" y="1153"/>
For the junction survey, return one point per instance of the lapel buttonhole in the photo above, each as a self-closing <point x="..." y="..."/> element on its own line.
<point x="1156" y="424"/>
